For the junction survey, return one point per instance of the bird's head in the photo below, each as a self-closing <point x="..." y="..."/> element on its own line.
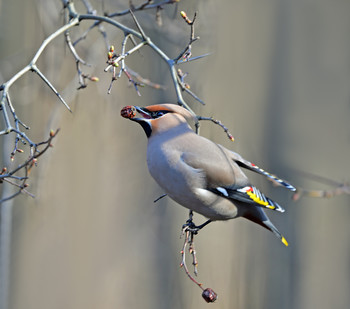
<point x="158" y="118"/>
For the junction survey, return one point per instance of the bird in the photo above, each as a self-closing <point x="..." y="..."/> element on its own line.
<point x="199" y="174"/>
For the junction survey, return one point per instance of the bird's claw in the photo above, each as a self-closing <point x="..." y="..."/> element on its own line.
<point x="189" y="226"/>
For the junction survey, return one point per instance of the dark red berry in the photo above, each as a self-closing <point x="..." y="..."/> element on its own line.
<point x="209" y="295"/>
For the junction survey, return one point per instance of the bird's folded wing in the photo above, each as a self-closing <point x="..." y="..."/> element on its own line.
<point x="250" y="195"/>
<point x="219" y="169"/>
<point x="251" y="166"/>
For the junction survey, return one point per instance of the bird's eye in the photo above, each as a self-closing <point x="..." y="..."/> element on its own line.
<point x="157" y="114"/>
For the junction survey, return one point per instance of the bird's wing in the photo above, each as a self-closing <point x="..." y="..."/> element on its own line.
<point x="249" y="195"/>
<point x="218" y="168"/>
<point x="224" y="177"/>
<point x="251" y="166"/>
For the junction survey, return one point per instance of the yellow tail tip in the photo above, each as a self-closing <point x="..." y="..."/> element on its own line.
<point x="284" y="241"/>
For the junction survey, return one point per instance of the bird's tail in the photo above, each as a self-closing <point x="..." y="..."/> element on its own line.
<point x="268" y="224"/>
<point x="258" y="216"/>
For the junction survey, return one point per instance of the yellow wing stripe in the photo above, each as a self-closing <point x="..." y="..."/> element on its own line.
<point x="257" y="200"/>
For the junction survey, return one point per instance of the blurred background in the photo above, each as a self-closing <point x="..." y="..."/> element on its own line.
<point x="278" y="77"/>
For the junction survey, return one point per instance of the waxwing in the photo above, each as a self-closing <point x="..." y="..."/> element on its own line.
<point x="197" y="173"/>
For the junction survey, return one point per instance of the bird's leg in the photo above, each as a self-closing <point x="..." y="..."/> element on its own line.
<point x="190" y="226"/>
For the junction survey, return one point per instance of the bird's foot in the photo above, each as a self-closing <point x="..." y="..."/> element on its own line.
<point x="192" y="228"/>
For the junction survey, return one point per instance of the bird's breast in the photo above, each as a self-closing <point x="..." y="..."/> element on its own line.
<point x="185" y="184"/>
<point x="165" y="166"/>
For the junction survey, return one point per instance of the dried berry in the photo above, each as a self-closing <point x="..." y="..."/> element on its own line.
<point x="128" y="112"/>
<point x="209" y="295"/>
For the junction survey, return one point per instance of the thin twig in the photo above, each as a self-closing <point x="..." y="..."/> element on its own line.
<point x="219" y="123"/>
<point x="26" y="166"/>
<point x="189" y="241"/>
<point x="145" y="81"/>
<point x="171" y="63"/>
<point x="193" y="58"/>
<point x="21" y="187"/>
<point x="14" y="115"/>
<point x="73" y="50"/>
<point x="340" y="190"/>
<point x="42" y="76"/>
<point x="187" y="52"/>
<point x="138" y="25"/>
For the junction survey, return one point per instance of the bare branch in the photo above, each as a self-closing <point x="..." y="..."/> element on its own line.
<point x="342" y="189"/>
<point x="219" y="123"/>
<point x="138" y="25"/>
<point x="187" y="52"/>
<point x="186" y="87"/>
<point x="14" y="115"/>
<point x="26" y="166"/>
<point x="72" y="49"/>
<point x="193" y="58"/>
<point x="47" y="82"/>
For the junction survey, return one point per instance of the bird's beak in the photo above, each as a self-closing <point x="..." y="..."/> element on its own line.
<point x="143" y="112"/>
<point x="130" y="112"/>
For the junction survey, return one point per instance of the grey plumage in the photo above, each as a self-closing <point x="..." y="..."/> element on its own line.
<point x="200" y="174"/>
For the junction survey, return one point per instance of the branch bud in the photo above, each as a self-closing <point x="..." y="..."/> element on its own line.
<point x="111" y="49"/>
<point x="110" y="55"/>
<point x="184" y="16"/>
<point x="94" y="79"/>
